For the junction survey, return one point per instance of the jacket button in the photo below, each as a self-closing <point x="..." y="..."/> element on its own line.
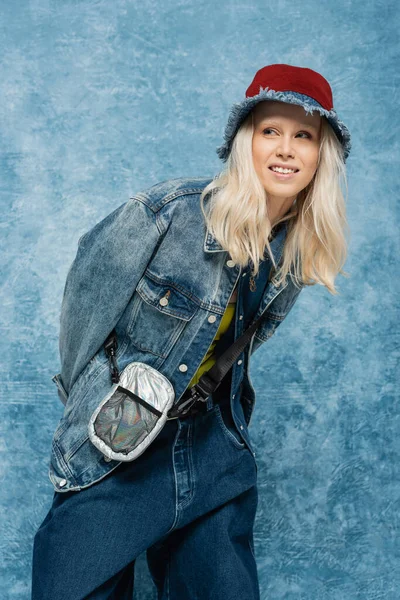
<point x="241" y="317"/>
<point x="163" y="301"/>
<point x="230" y="263"/>
<point x="239" y="362"/>
<point x="212" y="319"/>
<point x="107" y="459"/>
<point x="244" y="274"/>
<point x="241" y="427"/>
<point x="62" y="482"/>
<point x="183" y="368"/>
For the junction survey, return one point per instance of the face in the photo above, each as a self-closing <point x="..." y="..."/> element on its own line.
<point x="284" y="135"/>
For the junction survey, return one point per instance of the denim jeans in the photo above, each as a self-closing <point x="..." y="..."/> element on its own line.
<point x="189" y="501"/>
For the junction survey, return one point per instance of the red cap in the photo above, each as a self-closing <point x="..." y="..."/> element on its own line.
<point x="286" y="78"/>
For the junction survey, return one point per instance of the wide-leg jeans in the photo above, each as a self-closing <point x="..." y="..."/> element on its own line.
<point x="189" y="501"/>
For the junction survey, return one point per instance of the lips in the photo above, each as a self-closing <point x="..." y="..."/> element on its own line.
<point x="283" y="176"/>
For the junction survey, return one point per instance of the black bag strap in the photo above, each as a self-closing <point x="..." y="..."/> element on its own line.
<point x="211" y="379"/>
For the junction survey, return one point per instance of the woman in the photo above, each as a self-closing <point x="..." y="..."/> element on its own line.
<point x="157" y="272"/>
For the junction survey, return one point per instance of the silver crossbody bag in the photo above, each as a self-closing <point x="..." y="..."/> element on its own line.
<point x="133" y="412"/>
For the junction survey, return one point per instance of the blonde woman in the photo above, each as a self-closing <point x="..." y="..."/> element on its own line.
<point x="173" y="277"/>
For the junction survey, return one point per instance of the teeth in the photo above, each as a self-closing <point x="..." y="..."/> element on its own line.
<point x="280" y="170"/>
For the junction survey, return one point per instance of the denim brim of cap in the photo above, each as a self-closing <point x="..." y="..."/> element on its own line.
<point x="240" y="110"/>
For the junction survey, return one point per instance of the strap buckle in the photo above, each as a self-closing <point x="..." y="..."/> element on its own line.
<point x="184" y="405"/>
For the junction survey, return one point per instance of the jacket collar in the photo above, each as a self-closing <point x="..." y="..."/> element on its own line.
<point x="211" y="244"/>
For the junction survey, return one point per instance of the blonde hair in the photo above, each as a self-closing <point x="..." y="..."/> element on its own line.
<point x="315" y="247"/>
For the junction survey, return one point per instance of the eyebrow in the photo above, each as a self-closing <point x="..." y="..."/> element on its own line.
<point x="301" y="124"/>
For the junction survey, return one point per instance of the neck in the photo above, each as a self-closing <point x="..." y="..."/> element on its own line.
<point x="277" y="211"/>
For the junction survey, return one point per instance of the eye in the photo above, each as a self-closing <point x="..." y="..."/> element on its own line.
<point x="301" y="132"/>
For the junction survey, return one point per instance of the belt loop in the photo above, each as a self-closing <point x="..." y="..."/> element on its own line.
<point x="210" y="403"/>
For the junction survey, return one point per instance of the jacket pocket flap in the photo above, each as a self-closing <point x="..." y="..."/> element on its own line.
<point x="166" y="298"/>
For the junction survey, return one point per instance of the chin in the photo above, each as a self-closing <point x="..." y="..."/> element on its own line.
<point x="282" y="190"/>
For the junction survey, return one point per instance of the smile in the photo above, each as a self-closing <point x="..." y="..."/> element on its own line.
<point x="283" y="173"/>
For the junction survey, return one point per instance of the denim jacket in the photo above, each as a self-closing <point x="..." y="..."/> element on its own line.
<point x="156" y="242"/>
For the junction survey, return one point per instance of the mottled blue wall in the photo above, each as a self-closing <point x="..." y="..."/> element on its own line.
<point x="101" y="99"/>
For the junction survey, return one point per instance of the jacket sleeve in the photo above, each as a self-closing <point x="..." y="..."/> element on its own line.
<point x="110" y="260"/>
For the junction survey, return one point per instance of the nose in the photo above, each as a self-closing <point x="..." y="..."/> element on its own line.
<point x="284" y="147"/>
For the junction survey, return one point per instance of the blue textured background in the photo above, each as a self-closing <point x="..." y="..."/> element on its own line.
<point x="101" y="99"/>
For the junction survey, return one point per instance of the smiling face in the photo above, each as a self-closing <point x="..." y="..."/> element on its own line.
<point x="284" y="135"/>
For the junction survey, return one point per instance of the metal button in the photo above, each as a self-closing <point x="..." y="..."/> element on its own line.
<point x="241" y="427"/>
<point x="163" y="301"/>
<point x="254" y="453"/>
<point x="240" y="317"/>
<point x="107" y="459"/>
<point x="230" y="263"/>
<point x="183" y="368"/>
<point x="212" y="319"/>
<point x="239" y="362"/>
<point x="244" y="274"/>
<point x="62" y="482"/>
<point x="233" y="395"/>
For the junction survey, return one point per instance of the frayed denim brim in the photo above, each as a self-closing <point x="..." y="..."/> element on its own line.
<point x="240" y="110"/>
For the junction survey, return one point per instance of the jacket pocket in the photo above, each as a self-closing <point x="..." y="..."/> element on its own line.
<point x="62" y="394"/>
<point x="159" y="314"/>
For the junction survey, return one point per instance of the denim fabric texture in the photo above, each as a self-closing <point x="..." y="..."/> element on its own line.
<point x="154" y="244"/>
<point x="190" y="502"/>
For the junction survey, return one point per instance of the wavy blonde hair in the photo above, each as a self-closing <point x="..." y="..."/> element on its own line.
<point x="315" y="248"/>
